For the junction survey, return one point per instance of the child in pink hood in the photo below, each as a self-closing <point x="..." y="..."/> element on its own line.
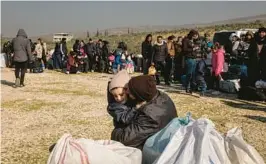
<point x="217" y="63"/>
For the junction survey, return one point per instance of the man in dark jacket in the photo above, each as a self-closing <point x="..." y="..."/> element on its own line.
<point x="146" y="51"/>
<point x="90" y="51"/>
<point x="22" y="54"/>
<point x="76" y="47"/>
<point x="64" y="52"/>
<point x="257" y="58"/>
<point x="7" y="49"/>
<point x="154" y="110"/>
<point x="160" y="53"/>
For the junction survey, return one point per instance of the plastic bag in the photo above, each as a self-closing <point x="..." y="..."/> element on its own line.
<point x="196" y="143"/>
<point x="155" y="145"/>
<point x="239" y="151"/>
<point x="85" y="151"/>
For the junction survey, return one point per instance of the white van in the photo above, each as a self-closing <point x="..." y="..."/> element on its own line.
<point x="59" y="36"/>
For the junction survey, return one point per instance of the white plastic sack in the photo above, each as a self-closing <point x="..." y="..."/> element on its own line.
<point x="260" y="84"/>
<point x="239" y="151"/>
<point x="86" y="151"/>
<point x="3" y="59"/>
<point x="155" y="145"/>
<point x="196" y="143"/>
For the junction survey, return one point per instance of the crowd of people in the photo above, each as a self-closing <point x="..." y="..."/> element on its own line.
<point x="194" y="60"/>
<point x="200" y="64"/>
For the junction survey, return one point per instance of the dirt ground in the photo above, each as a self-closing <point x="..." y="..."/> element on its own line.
<point x="53" y="103"/>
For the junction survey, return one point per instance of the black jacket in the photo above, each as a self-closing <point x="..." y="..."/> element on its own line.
<point x="21" y="47"/>
<point x="76" y="48"/>
<point x="105" y="52"/>
<point x="187" y="49"/>
<point x="122" y="114"/>
<point x="149" y="119"/>
<point x="146" y="50"/>
<point x="256" y="63"/>
<point x="160" y="52"/>
<point x="201" y="69"/>
<point x="90" y="49"/>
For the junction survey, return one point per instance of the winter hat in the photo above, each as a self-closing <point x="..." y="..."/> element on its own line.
<point x="119" y="80"/>
<point x="143" y="88"/>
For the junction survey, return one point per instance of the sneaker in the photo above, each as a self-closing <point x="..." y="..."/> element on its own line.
<point x="189" y="91"/>
<point x="78" y="72"/>
<point x="22" y="85"/>
<point x="92" y="70"/>
<point x="17" y="83"/>
<point x="67" y="72"/>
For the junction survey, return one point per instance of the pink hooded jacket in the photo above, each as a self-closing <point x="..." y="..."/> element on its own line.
<point x="218" y="61"/>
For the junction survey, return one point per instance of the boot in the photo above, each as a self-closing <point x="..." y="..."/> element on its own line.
<point x="17" y="82"/>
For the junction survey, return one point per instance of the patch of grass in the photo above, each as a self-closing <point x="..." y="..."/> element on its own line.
<point x="25" y="105"/>
<point x="36" y="152"/>
<point x="77" y="122"/>
<point x="72" y="92"/>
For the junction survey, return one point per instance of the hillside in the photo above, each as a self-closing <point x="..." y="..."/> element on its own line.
<point x="155" y="28"/>
<point x="134" y="40"/>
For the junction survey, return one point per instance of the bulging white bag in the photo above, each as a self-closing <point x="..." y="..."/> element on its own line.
<point x="85" y="151"/>
<point x="239" y="151"/>
<point x="196" y="143"/>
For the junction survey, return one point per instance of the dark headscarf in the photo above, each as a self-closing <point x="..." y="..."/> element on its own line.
<point x="143" y="88"/>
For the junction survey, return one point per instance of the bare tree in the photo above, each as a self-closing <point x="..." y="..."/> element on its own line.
<point x="97" y="33"/>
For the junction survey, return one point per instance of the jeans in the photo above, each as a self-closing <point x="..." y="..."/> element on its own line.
<point x="215" y="83"/>
<point x="57" y="61"/>
<point x="201" y="83"/>
<point x="160" y="66"/>
<point x="146" y="65"/>
<point x="190" y="65"/>
<point x="169" y="69"/>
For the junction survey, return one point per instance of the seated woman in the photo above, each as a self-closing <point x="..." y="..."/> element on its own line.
<point x="154" y="110"/>
<point x="72" y="65"/>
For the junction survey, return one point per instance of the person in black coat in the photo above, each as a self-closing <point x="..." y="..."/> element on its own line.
<point x="76" y="47"/>
<point x="90" y="51"/>
<point x="154" y="110"/>
<point x="160" y="52"/>
<point x="146" y="51"/>
<point x="22" y="55"/>
<point x="257" y="58"/>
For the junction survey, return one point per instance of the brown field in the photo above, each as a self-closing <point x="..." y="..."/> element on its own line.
<point x="52" y="103"/>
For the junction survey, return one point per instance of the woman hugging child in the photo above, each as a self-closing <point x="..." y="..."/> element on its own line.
<point x="119" y="106"/>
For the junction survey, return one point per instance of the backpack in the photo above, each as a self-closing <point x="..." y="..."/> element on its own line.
<point x="227" y="86"/>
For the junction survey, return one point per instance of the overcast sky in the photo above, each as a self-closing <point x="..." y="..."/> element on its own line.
<point x="39" y="18"/>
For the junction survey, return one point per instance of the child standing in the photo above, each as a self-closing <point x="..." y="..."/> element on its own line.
<point x="130" y="65"/>
<point x="201" y="68"/>
<point x="152" y="71"/>
<point x="217" y="65"/>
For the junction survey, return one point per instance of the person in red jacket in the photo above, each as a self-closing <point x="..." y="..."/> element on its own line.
<point x="72" y="65"/>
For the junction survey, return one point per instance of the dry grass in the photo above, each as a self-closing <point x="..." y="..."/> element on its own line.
<point x="53" y="103"/>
